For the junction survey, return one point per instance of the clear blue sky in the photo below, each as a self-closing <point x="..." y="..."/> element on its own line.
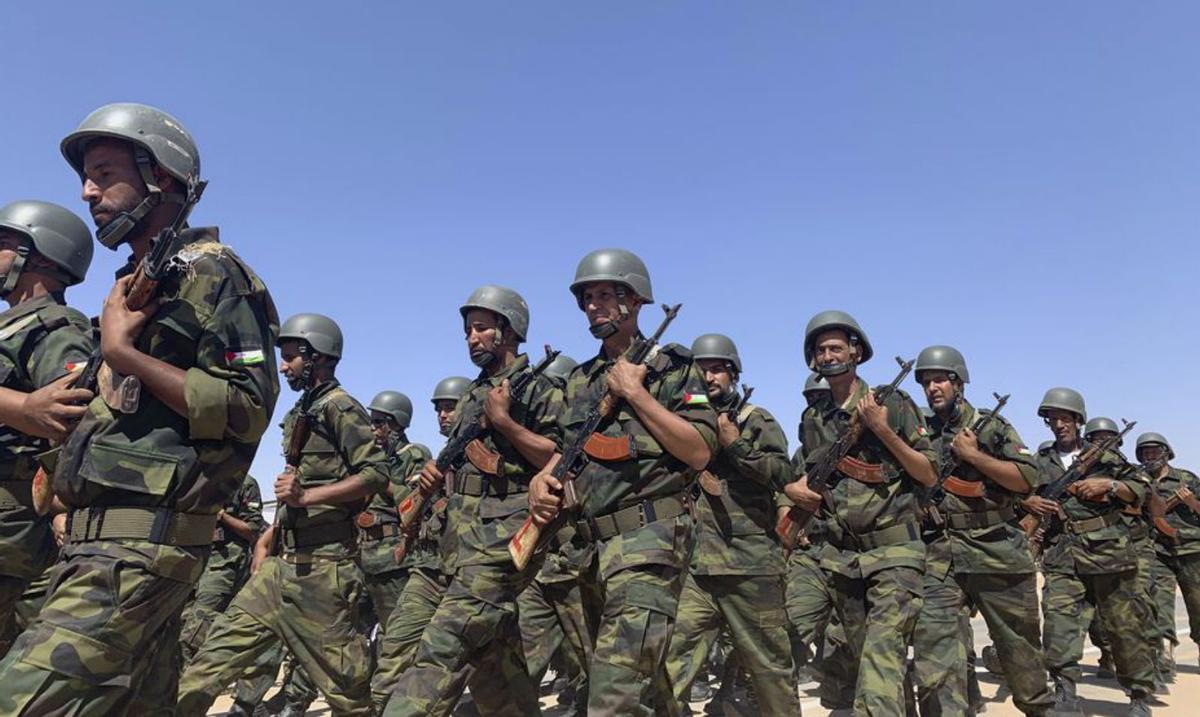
<point x="1017" y="179"/>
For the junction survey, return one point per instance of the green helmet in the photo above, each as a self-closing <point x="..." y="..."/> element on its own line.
<point x="814" y="383"/>
<point x="1066" y="399"/>
<point x="450" y="389"/>
<point x="503" y="302"/>
<point x="942" y="358"/>
<point x="157" y="138"/>
<point x="561" y="367"/>
<point x="1149" y="439"/>
<point x="394" y="404"/>
<point x="717" y="346"/>
<point x="1100" y="423"/>
<point x="1044" y="445"/>
<point x="616" y="265"/>
<point x="54" y="232"/>
<point x="320" y="332"/>
<point x="833" y="319"/>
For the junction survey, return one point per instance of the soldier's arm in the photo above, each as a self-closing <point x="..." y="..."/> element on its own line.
<point x="685" y="429"/>
<point x="906" y="438"/>
<point x="760" y="453"/>
<point x="538" y="441"/>
<point x="51" y="409"/>
<point x="998" y="456"/>
<point x="368" y="469"/>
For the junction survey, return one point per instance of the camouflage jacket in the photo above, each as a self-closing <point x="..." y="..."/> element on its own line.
<point x="246" y="505"/>
<point x="483" y="525"/>
<point x="1097" y="552"/>
<point x="433" y="546"/>
<point x="607" y="486"/>
<point x="854" y="508"/>
<point x="1183" y="519"/>
<point x="404" y="459"/>
<point x="217" y="322"/>
<point x="340" y="444"/>
<point x="1000" y="548"/>
<point x="40" y="341"/>
<point x="735" y="532"/>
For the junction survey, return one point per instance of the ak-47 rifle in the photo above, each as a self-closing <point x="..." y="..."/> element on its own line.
<point x="1159" y="508"/>
<point x="821" y="476"/>
<point x="1034" y="525"/>
<point x="154" y="267"/>
<point x="454" y="452"/>
<point x="950" y="463"/>
<point x="529" y="537"/>
<point x="301" y="430"/>
<point x="709" y="483"/>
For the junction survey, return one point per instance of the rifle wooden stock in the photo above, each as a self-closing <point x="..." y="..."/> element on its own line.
<point x="412" y="507"/>
<point x="791" y="526"/>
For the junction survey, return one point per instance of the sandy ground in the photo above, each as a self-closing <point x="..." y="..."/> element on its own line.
<point x="1103" y="698"/>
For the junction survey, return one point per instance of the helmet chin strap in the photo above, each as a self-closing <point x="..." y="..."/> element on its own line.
<point x="13" y="275"/>
<point x="605" y="329"/>
<point x="117" y="231"/>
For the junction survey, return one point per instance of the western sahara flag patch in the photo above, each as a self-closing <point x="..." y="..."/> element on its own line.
<point x="251" y="357"/>
<point x="695" y="399"/>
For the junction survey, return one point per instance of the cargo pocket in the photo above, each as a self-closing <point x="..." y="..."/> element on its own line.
<point x="125" y="467"/>
<point x="643" y="627"/>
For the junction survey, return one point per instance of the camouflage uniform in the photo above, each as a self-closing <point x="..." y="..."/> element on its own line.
<point x="873" y="549"/>
<point x="308" y="597"/>
<point x="636" y="512"/>
<point x="39" y="341"/>
<point x="1178" y="561"/>
<point x="227" y="568"/>
<point x="473" y="637"/>
<point x="736" y="576"/>
<point x="1090" y="568"/>
<point x="144" y="489"/>
<point x="980" y="558"/>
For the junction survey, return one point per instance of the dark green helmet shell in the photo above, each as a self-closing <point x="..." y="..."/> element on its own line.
<point x="815" y="382"/>
<point x="502" y="301"/>
<point x="55" y="232"/>
<point x="561" y="367"/>
<point x="318" y="331"/>
<point x="450" y="389"/>
<point x="716" y="346"/>
<point x="616" y="265"/>
<point x="1151" y="438"/>
<point x="834" y="319"/>
<point x="394" y="404"/>
<point x="942" y="358"/>
<point x="1065" y="399"/>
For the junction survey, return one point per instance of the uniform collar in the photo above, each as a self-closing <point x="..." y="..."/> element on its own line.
<point x="519" y="363"/>
<point x="30" y="306"/>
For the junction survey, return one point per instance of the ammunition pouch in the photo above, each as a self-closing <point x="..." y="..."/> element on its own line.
<point x="610" y="448"/>
<point x="161" y="526"/>
<point x="965" y="488"/>
<point x="861" y="471"/>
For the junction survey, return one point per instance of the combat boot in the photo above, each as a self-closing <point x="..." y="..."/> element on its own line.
<point x="991" y="661"/>
<point x="240" y="710"/>
<point x="1138" y="707"/>
<point x="291" y="709"/>
<point x="1066" y="702"/>
<point x="1105" y="670"/>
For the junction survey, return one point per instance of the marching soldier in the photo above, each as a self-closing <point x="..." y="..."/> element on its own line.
<point x="1177" y="561"/>
<point x="307" y="596"/>
<point x="1090" y="562"/>
<point x="427" y="582"/>
<point x="979" y="557"/>
<point x="736" y="576"/>
<point x="873" y="543"/>
<point x="44" y="248"/>
<point x="634" y="505"/>
<point x="184" y="401"/>
<point x="474" y="636"/>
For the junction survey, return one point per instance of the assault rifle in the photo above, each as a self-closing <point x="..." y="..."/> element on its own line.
<point x="456" y="450"/>
<point x="1034" y="525"/>
<point x="301" y="430"/>
<point x="821" y="476"/>
<point x="950" y="463"/>
<point x="154" y="267"/>
<point x="1159" y="508"/>
<point x="529" y="537"/>
<point x="709" y="483"/>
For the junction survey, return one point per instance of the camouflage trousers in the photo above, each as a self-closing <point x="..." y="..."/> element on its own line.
<point x="808" y="601"/>
<point x="308" y="603"/>
<point x="106" y="639"/>
<point x="417" y="604"/>
<point x="223" y="576"/>
<point x="879" y="613"/>
<point x="1167" y="573"/>
<point x="1147" y="587"/>
<point x="1008" y="603"/>
<point x="473" y="639"/>
<point x="27" y="551"/>
<point x="751" y="606"/>
<point x="551" y="616"/>
<point x="1067" y="604"/>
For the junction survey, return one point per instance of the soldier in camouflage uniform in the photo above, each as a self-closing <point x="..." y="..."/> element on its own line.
<point x="551" y="611"/>
<point x="239" y="523"/>
<point x="873" y="544"/>
<point x="44" y="248"/>
<point x="426" y="582"/>
<point x="308" y="595"/>
<point x="633" y="493"/>
<point x="144" y="480"/>
<point x="977" y="555"/>
<point x="736" y="576"/>
<point x="1089" y="562"/>
<point x="474" y="636"/>
<point x="1177" y="561"/>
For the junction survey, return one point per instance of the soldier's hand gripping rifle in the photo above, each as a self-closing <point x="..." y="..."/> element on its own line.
<point x="709" y="483"/>
<point x="1034" y="525"/>
<point x="946" y="478"/>
<point x="154" y="267"/>
<point x="454" y="452"/>
<point x="301" y="430"/>
<point x="820" y="477"/>
<point x="528" y="538"/>
<point x="1159" y="508"/>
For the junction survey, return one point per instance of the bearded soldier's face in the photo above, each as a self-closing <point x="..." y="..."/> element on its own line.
<point x="940" y="390"/>
<point x="717" y="378"/>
